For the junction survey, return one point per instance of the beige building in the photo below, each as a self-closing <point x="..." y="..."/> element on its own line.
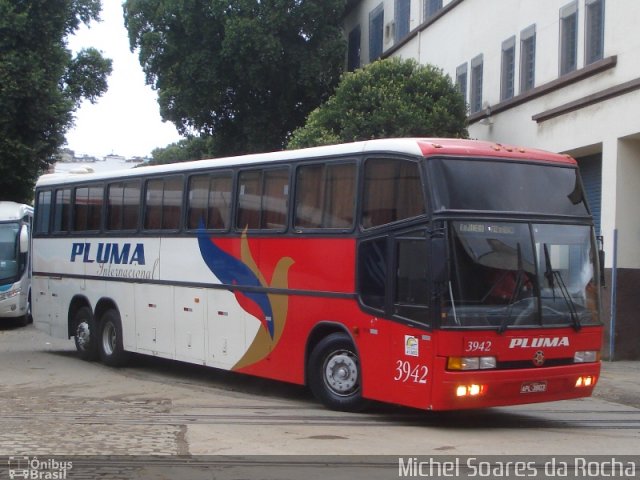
<point x="562" y="75"/>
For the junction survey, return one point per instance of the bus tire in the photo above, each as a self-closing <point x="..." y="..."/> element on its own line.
<point x="110" y="343"/>
<point x="334" y="373"/>
<point x="85" y="334"/>
<point x="27" y="318"/>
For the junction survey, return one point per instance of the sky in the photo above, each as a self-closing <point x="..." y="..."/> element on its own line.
<point x="126" y="119"/>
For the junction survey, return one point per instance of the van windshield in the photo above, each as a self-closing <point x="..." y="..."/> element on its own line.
<point x="9" y="264"/>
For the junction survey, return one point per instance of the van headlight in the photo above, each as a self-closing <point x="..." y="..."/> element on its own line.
<point x="10" y="293"/>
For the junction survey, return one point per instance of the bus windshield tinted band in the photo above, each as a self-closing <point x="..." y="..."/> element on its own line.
<point x="486" y="185"/>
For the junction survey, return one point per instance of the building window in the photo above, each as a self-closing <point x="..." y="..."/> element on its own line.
<point x="594" y="41"/>
<point x="402" y="18"/>
<point x="527" y="58"/>
<point x="461" y="80"/>
<point x="569" y="38"/>
<point x="353" y="54"/>
<point x="507" y="80"/>
<point x="376" y="32"/>
<point x="431" y="7"/>
<point x="477" y="65"/>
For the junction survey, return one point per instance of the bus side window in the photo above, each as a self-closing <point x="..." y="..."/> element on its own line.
<point x="249" y="193"/>
<point x="392" y="191"/>
<point x="62" y="210"/>
<point x="325" y="196"/>
<point x="411" y="296"/>
<point x="172" y="203"/>
<point x="163" y="204"/>
<point x="80" y="209"/>
<point x="262" y="199"/>
<point x="220" y="201"/>
<point x="123" y="201"/>
<point x="87" y="208"/>
<point x="372" y="272"/>
<point x="209" y="201"/>
<point x="44" y="212"/>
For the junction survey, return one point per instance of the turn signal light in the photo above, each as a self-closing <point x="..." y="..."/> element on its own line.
<point x="471" y="363"/>
<point x="586" y="381"/>
<point x="586" y="356"/>
<point x="472" y="390"/>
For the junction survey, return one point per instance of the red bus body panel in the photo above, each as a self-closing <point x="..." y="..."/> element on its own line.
<point x="405" y="364"/>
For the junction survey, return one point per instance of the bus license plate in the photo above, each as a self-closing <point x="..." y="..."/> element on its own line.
<point x="533" y="387"/>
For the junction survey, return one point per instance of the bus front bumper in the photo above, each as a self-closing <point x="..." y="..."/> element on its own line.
<point x="492" y="388"/>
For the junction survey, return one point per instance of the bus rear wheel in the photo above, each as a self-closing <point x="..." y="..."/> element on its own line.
<point x="85" y="334"/>
<point x="334" y="373"/>
<point x="111" y="348"/>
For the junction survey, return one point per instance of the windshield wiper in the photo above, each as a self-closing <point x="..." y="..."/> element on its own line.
<point x="553" y="275"/>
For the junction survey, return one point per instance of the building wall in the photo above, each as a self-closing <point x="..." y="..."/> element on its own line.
<point x="592" y="110"/>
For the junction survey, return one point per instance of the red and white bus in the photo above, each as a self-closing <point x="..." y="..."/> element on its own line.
<point x="437" y="274"/>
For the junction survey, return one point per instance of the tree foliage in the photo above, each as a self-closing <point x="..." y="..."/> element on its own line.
<point x="245" y="72"/>
<point x="192" y="148"/>
<point x="387" y="98"/>
<point x="41" y="84"/>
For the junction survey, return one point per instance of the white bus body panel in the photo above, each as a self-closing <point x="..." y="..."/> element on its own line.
<point x="199" y="325"/>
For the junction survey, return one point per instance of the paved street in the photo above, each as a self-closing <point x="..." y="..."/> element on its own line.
<point x="52" y="403"/>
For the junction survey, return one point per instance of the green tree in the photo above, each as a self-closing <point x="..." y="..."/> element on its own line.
<point x="245" y="72"/>
<point x="387" y="98"/>
<point x="41" y="85"/>
<point x="193" y="148"/>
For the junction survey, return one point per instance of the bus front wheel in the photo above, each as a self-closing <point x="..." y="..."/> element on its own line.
<point x="334" y="373"/>
<point x="112" y="352"/>
<point x="85" y="334"/>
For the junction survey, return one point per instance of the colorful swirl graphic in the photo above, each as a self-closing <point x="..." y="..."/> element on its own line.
<point x="251" y="291"/>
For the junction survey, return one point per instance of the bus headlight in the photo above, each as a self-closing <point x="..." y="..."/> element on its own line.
<point x="471" y="363"/>
<point x="10" y="294"/>
<point x="586" y="356"/>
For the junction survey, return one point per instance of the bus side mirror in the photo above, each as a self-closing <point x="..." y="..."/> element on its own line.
<point x="438" y="260"/>
<point x="24" y="239"/>
<point x="600" y="241"/>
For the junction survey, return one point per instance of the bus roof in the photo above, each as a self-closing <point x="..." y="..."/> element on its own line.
<point x="14" y="211"/>
<point x="411" y="146"/>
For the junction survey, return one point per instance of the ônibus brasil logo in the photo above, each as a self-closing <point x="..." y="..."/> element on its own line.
<point x="38" y="469"/>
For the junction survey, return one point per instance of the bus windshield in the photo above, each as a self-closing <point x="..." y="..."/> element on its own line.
<point x="9" y="264"/>
<point x="492" y="185"/>
<point x="521" y="275"/>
